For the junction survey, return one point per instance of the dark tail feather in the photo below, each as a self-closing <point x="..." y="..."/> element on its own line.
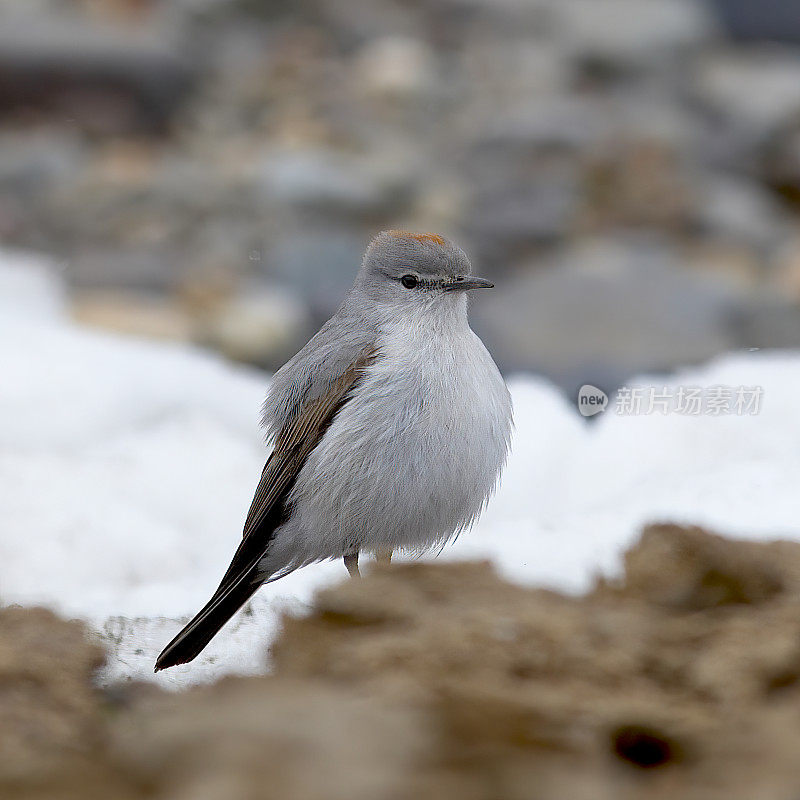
<point x="207" y="622"/>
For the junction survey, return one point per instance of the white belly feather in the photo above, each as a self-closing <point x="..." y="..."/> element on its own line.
<point x="411" y="458"/>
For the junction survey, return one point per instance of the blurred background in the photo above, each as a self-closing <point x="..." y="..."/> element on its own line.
<point x="628" y="171"/>
<point x="209" y="172"/>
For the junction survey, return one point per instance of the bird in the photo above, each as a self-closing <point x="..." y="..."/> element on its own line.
<point x="389" y="430"/>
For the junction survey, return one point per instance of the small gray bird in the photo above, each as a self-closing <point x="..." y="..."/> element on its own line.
<point x="389" y="430"/>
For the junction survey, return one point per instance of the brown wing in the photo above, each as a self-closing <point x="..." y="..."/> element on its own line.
<point x="292" y="447"/>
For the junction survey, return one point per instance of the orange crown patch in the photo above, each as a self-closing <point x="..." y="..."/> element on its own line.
<point x="420" y="237"/>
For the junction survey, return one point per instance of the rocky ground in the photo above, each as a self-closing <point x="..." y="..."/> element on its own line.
<point x="212" y="169"/>
<point x="679" y="680"/>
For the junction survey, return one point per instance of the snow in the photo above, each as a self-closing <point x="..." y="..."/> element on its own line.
<point x="126" y="468"/>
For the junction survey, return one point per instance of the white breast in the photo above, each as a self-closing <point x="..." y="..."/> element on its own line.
<point x="415" y="453"/>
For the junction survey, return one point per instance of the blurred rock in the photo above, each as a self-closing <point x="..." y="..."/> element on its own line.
<point x="30" y="168"/>
<point x="318" y="264"/>
<point x="631" y="34"/>
<point x="291" y="739"/>
<point x="781" y="162"/>
<point x="396" y="68"/>
<point x="605" y="310"/>
<point x="640" y="183"/>
<point x="786" y="269"/>
<point x="656" y="119"/>
<point x="521" y="72"/>
<point x="139" y="268"/>
<point x="49" y="713"/>
<point x="29" y="164"/>
<point x="681" y="678"/>
<point x="755" y="91"/>
<point x="729" y="259"/>
<point x="772" y="20"/>
<point x="556" y="123"/>
<point x="132" y="313"/>
<point x="331" y="182"/>
<point x="106" y="79"/>
<point x="147" y="144"/>
<point x="260" y="326"/>
<point x="737" y="210"/>
<point x="619" y="694"/>
<point x="686" y="569"/>
<point x="768" y="319"/>
<point x="506" y="218"/>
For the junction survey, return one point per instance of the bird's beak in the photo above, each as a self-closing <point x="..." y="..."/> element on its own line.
<point x="463" y="282"/>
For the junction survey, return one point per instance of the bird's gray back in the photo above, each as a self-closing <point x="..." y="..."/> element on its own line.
<point x="314" y="369"/>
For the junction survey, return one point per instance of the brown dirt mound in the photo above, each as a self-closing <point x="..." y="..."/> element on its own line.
<point x="435" y="681"/>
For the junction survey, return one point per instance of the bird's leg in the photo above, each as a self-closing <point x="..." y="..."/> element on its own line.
<point x="384" y="556"/>
<point x="351" y="562"/>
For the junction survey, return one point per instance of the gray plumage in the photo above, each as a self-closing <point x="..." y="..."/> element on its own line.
<point x="389" y="429"/>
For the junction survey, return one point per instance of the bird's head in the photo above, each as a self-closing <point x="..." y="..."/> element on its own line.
<point x="405" y="269"/>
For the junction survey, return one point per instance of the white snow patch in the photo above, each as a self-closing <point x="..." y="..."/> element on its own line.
<point x="126" y="469"/>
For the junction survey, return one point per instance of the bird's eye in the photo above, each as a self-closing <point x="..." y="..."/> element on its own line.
<point x="409" y="281"/>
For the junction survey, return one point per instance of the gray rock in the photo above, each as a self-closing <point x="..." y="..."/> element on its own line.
<point x="773" y="20"/>
<point x="737" y="209"/>
<point x="605" y="310"/>
<point x="107" y="79"/>
<point x="651" y="117"/>
<point x="768" y="320"/>
<point x="780" y="164"/>
<point x="396" y="68"/>
<point x="30" y="168"/>
<point x="132" y="313"/>
<point x="756" y="90"/>
<point x="318" y="265"/>
<point x="784" y="272"/>
<point x="262" y="325"/>
<point x="558" y="123"/>
<point x="521" y="73"/>
<point x="332" y="182"/>
<point x="509" y="217"/>
<point x="631" y="34"/>
<point x="156" y="269"/>
<point x="34" y="162"/>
